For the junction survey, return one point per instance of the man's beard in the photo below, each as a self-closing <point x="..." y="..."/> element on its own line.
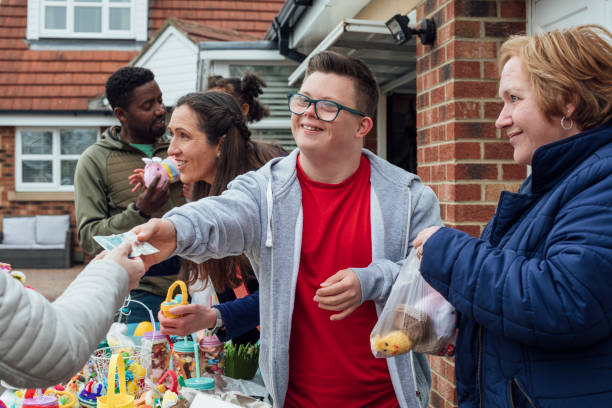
<point x="157" y="131"/>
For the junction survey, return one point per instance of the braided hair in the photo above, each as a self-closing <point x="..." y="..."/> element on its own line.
<point x="223" y="123"/>
<point x="246" y="91"/>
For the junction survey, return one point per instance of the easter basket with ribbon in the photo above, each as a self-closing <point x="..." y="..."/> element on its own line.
<point x="112" y="400"/>
<point x="133" y="361"/>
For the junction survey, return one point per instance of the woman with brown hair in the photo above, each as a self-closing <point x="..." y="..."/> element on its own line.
<point x="211" y="144"/>
<point x="534" y="291"/>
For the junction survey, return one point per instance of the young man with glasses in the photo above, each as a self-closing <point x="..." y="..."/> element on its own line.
<point x="326" y="230"/>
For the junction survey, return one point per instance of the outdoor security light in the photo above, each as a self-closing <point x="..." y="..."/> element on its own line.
<point x="398" y="26"/>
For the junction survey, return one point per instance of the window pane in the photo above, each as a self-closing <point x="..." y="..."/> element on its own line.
<point x="119" y="18"/>
<point x="55" y="18"/>
<point x="33" y="142"/>
<point x="75" y="141"/>
<point x="37" y="171"/>
<point x="67" y="175"/>
<point x="120" y="1"/>
<point x="88" y="19"/>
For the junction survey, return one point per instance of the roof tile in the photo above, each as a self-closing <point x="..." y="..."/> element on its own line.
<point x="68" y="80"/>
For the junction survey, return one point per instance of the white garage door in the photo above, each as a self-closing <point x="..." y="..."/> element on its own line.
<point x="546" y="15"/>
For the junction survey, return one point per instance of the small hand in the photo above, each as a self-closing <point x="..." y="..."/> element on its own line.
<point x="340" y="292"/>
<point x="191" y="318"/>
<point x="137" y="178"/>
<point x="421" y="238"/>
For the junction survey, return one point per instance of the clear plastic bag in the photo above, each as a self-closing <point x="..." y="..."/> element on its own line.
<point x="415" y="317"/>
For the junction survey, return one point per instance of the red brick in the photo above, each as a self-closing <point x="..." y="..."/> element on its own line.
<point x="423" y="63"/>
<point x="423" y="100"/>
<point x="448" y="404"/>
<point x="490" y="70"/>
<point x="431" y="79"/>
<point x="514" y="171"/>
<point x="466" y="29"/>
<point x="437" y="95"/>
<point x="448" y="391"/>
<point x="469" y="212"/>
<point x="470" y="130"/>
<point x="472" y="171"/>
<point x="458" y="193"/>
<point x="472" y="8"/>
<point x="431" y="154"/>
<point x="436" y="364"/>
<point x="460" y="151"/>
<point x="463" y="110"/>
<point x="449" y="369"/>
<point x="513" y="9"/>
<point x="435" y="400"/>
<point x="424" y="172"/>
<point x="473" y="89"/>
<point x="430" y="117"/>
<point x="503" y="29"/>
<point x="493" y="191"/>
<point x="492" y="109"/>
<point x="444" y="33"/>
<point x="474" y="49"/>
<point x="438" y="172"/>
<point x="498" y="150"/>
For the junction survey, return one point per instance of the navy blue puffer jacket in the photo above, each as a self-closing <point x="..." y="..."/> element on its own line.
<point x="535" y="292"/>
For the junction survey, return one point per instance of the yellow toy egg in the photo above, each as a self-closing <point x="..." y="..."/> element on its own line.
<point x="132" y="388"/>
<point x="139" y="371"/>
<point x="142" y="328"/>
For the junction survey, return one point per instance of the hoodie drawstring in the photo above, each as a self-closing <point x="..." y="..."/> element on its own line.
<point x="269" y="199"/>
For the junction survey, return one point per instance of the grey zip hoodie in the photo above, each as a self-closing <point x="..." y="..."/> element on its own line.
<point x="261" y="215"/>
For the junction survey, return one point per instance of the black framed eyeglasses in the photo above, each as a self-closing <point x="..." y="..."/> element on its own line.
<point x="325" y="109"/>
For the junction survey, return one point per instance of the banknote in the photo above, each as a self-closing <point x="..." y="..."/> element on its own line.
<point x="111" y="242"/>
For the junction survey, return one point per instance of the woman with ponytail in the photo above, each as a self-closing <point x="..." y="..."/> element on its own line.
<point x="212" y="145"/>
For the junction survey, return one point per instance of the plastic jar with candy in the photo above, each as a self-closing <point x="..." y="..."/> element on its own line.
<point x="212" y="354"/>
<point x="160" y="354"/>
<point x="183" y="359"/>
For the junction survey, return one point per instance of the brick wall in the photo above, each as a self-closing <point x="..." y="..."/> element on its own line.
<point x="10" y="206"/>
<point x="461" y="155"/>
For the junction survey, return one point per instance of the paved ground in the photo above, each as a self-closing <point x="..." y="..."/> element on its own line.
<point x="51" y="282"/>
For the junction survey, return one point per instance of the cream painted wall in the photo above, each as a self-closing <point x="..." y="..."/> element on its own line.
<point x="383" y="10"/>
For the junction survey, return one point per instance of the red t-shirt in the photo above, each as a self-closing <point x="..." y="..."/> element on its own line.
<point x="330" y="362"/>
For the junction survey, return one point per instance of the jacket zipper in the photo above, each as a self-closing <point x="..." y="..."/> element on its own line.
<point x="520" y="388"/>
<point x="479" y="365"/>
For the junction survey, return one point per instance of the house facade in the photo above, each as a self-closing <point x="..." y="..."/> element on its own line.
<point x="439" y="102"/>
<point x="55" y="57"/>
<point x="436" y="114"/>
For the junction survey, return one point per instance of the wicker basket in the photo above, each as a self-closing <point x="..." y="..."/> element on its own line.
<point x="101" y="359"/>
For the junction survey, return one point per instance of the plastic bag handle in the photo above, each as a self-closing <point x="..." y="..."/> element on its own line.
<point x="116" y="365"/>
<point x="183" y="292"/>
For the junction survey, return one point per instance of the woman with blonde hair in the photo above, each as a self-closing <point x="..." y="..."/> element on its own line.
<point x="534" y="292"/>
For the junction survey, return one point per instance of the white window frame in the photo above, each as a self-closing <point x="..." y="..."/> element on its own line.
<point x="56" y="157"/>
<point x="138" y="21"/>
